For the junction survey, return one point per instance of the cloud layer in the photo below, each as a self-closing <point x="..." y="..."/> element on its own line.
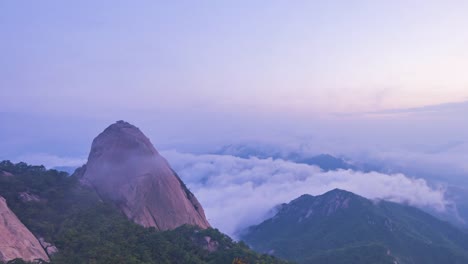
<point x="237" y="193"/>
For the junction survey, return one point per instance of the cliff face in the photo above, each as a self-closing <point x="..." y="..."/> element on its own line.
<point x="124" y="166"/>
<point x="16" y="241"/>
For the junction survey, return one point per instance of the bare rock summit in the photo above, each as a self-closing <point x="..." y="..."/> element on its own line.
<point x="124" y="166"/>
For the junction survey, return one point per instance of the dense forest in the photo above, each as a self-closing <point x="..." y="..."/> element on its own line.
<point x="342" y="227"/>
<point x="88" y="229"/>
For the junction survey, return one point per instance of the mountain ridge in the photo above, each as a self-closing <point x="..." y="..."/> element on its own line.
<point x="340" y="226"/>
<point x="324" y="161"/>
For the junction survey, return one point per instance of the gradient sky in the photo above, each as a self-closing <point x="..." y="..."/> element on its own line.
<point x="307" y="57"/>
<point x="357" y="73"/>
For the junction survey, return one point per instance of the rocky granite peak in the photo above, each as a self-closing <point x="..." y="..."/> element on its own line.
<point x="124" y="166"/>
<point x="16" y="241"/>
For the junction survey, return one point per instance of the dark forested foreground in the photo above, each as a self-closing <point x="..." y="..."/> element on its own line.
<point x="341" y="227"/>
<point x="86" y="229"/>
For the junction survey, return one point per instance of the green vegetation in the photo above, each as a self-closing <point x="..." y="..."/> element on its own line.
<point x="86" y="229"/>
<point x="341" y="227"/>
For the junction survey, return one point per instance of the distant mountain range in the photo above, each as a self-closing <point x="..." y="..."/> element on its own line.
<point x="342" y="227"/>
<point x="457" y="214"/>
<point x="68" y="169"/>
<point x="326" y="162"/>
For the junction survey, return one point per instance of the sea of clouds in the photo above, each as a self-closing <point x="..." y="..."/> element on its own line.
<point x="237" y="193"/>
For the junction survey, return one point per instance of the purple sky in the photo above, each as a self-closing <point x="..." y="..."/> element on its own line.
<point x="306" y="57"/>
<point x="346" y="77"/>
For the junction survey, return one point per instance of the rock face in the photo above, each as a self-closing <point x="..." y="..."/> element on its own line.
<point x="48" y="247"/>
<point x="16" y="241"/>
<point x="124" y="166"/>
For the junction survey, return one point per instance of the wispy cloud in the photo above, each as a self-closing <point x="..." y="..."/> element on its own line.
<point x="239" y="192"/>
<point x="446" y="107"/>
<point x="456" y="108"/>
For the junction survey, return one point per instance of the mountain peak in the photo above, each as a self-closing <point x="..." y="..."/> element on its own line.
<point x="124" y="166"/>
<point x="325" y="204"/>
<point x="121" y="124"/>
<point x="123" y="140"/>
<point x="340" y="192"/>
<point x="339" y="225"/>
<point x="329" y="195"/>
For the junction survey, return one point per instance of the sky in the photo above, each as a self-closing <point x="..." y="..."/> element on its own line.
<point x="305" y="57"/>
<point x="380" y="82"/>
<point x="200" y="63"/>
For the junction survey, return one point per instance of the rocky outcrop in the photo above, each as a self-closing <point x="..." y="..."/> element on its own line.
<point x="6" y="174"/>
<point x="48" y="247"/>
<point x="16" y="241"/>
<point x="28" y="197"/>
<point x="210" y="245"/>
<point x="124" y="166"/>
